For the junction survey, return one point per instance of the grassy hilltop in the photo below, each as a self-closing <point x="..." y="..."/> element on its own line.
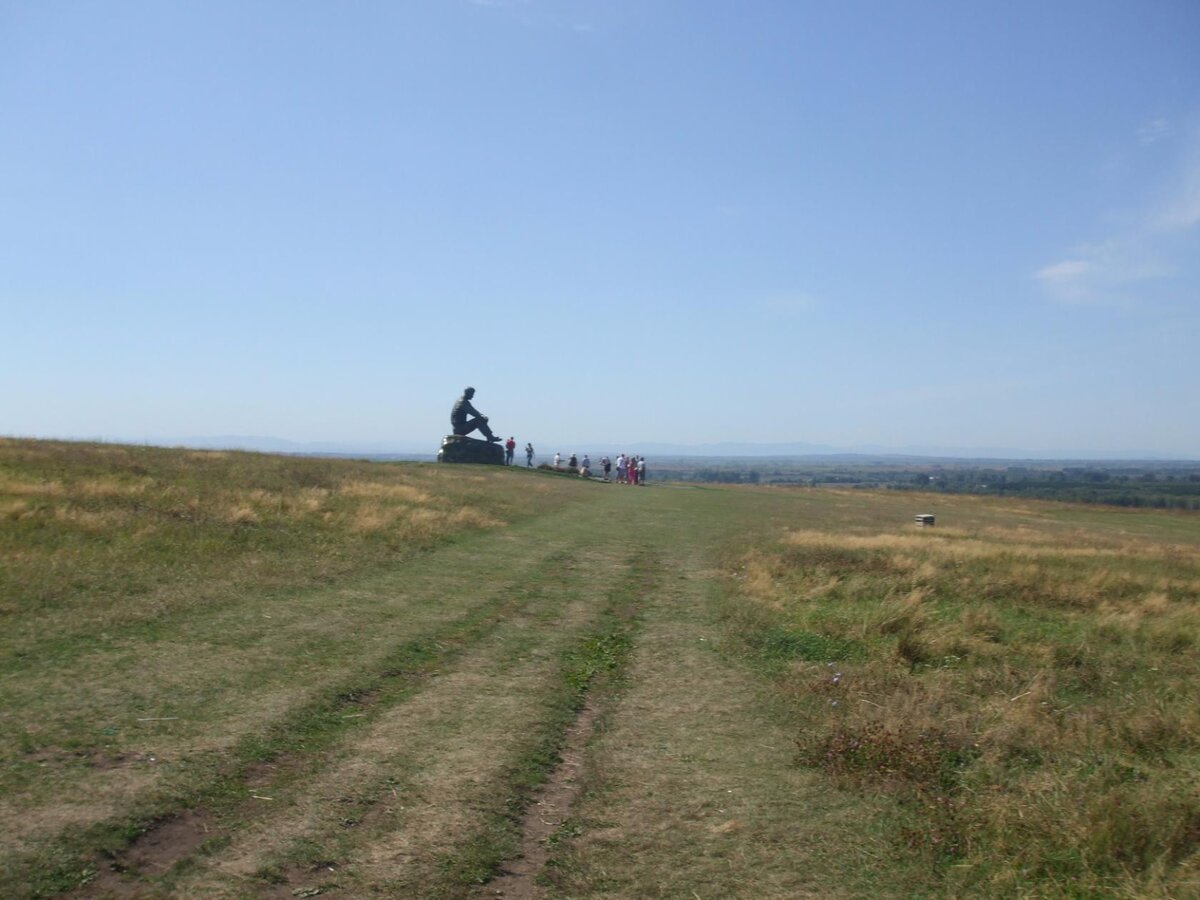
<point x="245" y="675"/>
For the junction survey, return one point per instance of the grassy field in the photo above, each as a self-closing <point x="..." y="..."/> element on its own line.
<point x="242" y="675"/>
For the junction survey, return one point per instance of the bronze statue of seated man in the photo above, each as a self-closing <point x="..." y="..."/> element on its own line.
<point x="465" y="418"/>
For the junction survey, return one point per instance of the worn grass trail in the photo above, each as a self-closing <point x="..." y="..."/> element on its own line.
<point x="383" y="736"/>
<point x="691" y="786"/>
<point x="235" y="699"/>
<point x="405" y="769"/>
<point x="395" y="803"/>
<point x="386" y="733"/>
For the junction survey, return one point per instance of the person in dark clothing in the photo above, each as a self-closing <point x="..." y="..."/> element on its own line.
<point x="465" y="418"/>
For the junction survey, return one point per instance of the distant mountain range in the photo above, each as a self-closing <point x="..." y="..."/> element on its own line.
<point x="409" y="449"/>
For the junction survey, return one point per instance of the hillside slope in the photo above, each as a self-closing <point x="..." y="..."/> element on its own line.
<point x="231" y="674"/>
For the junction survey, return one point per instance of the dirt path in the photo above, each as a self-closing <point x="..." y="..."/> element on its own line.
<point x="548" y="813"/>
<point x="694" y="790"/>
<point x="412" y="799"/>
<point x="484" y="772"/>
<point x="689" y="788"/>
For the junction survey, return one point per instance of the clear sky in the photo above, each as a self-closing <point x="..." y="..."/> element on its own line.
<point x="961" y="224"/>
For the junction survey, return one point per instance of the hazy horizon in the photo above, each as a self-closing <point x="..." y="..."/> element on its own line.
<point x="727" y="449"/>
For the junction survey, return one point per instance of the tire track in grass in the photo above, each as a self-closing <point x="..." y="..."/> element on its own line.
<point x="212" y="793"/>
<point x="544" y="795"/>
<point x="492" y="834"/>
<point x="691" y="787"/>
<point x="413" y="780"/>
<point x="215" y="683"/>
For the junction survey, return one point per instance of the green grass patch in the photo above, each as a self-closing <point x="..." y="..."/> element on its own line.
<point x="776" y="645"/>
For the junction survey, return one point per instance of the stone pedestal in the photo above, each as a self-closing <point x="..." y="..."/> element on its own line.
<point x="458" y="448"/>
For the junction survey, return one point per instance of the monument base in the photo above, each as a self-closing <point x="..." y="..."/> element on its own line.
<point x="457" y="448"/>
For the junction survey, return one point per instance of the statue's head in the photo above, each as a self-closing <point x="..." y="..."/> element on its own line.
<point x="469" y="393"/>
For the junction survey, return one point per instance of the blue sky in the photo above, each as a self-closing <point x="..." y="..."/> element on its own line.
<point x="855" y="223"/>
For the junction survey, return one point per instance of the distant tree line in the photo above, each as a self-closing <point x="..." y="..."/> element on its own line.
<point x="711" y="475"/>
<point x="1169" y="489"/>
<point x="1151" y="485"/>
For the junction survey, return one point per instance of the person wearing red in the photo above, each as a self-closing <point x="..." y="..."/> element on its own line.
<point x="509" y="446"/>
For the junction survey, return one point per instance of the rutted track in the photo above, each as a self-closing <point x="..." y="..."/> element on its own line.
<point x="412" y="774"/>
<point x="388" y="787"/>
<point x="596" y="673"/>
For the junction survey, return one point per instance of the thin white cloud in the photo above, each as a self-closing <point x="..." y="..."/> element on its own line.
<point x="1154" y="131"/>
<point x="1069" y="281"/>
<point x="1107" y="271"/>
<point x="1103" y="273"/>
<point x="1065" y="271"/>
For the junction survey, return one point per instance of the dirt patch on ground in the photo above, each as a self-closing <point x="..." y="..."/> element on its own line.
<point x="308" y="878"/>
<point x="550" y="808"/>
<point x="167" y="843"/>
<point x="155" y="851"/>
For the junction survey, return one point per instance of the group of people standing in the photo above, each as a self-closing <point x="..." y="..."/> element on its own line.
<point x="630" y="469"/>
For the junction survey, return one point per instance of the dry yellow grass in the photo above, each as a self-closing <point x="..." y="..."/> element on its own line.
<point x="996" y="677"/>
<point x="391" y="491"/>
